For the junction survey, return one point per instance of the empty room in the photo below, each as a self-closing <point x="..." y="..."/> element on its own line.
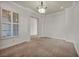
<point x="39" y="28"/>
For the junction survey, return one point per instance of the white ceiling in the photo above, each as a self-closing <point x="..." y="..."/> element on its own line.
<point x="52" y="6"/>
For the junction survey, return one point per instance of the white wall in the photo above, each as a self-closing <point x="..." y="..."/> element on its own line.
<point x="62" y="25"/>
<point x="53" y="25"/>
<point x="76" y="26"/>
<point x="24" y="25"/>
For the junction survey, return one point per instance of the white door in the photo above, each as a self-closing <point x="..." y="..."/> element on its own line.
<point x="33" y="26"/>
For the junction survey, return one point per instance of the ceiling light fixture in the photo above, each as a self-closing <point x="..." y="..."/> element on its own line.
<point x="61" y="7"/>
<point x="42" y="8"/>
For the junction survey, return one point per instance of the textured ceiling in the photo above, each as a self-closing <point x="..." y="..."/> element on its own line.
<point x="52" y="6"/>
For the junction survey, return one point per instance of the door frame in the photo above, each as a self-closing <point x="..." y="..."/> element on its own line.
<point x="37" y="24"/>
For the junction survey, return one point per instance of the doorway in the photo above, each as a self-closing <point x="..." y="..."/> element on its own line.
<point x="33" y="27"/>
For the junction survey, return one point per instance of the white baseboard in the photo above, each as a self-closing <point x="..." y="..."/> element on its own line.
<point x="76" y="48"/>
<point x="10" y="45"/>
<point x="58" y="38"/>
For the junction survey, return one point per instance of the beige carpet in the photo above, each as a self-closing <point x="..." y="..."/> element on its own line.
<point x="41" y="47"/>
